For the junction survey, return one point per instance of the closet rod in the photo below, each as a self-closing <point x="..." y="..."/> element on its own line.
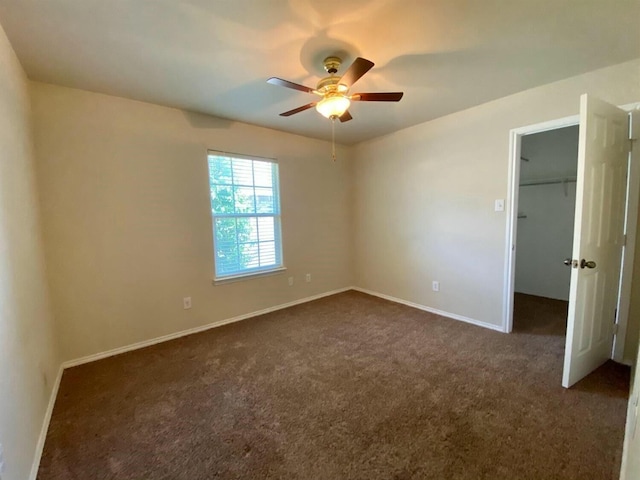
<point x="550" y="181"/>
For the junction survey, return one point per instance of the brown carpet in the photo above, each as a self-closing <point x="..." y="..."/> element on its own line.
<point x="346" y="387"/>
<point x="540" y="316"/>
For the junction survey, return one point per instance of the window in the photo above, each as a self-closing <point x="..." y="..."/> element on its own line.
<point x="245" y="207"/>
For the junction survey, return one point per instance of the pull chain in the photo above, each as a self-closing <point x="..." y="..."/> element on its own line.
<point x="333" y="138"/>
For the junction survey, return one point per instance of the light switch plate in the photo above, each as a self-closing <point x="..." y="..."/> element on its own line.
<point x="499" y="205"/>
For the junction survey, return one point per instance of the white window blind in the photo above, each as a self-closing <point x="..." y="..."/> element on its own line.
<point x="245" y="207"/>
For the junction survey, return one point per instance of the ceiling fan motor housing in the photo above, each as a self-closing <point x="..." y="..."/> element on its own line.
<point x="332" y="64"/>
<point x="331" y="85"/>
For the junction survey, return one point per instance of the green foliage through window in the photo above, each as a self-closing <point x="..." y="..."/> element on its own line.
<point x="245" y="207"/>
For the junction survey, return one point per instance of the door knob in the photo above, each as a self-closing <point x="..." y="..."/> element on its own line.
<point x="588" y="264"/>
<point x="570" y="263"/>
<point x="567" y="262"/>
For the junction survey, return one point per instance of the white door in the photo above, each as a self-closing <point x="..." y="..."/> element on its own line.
<point x="598" y="237"/>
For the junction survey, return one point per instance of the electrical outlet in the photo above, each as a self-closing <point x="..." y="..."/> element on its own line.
<point x="435" y="286"/>
<point x="290" y="281"/>
<point x="308" y="277"/>
<point x="186" y="303"/>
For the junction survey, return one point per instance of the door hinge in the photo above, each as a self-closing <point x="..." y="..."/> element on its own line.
<point x="615" y="328"/>
<point x="624" y="240"/>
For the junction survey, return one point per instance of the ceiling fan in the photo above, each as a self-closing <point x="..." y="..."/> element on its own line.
<point x="334" y="90"/>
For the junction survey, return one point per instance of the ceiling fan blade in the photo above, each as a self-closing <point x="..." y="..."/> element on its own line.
<point x="298" y="110"/>
<point x="358" y="68"/>
<point x="288" y="84"/>
<point x="346" y="116"/>
<point x="377" y="97"/>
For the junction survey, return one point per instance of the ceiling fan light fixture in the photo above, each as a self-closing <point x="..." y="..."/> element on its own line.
<point x="334" y="90"/>
<point x="333" y="106"/>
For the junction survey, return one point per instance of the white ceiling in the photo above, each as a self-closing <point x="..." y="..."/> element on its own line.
<point x="214" y="56"/>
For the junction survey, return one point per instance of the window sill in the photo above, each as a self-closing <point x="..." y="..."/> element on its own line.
<point x="247" y="276"/>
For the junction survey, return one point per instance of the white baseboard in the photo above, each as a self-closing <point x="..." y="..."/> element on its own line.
<point x="45" y="425"/>
<point x="442" y="313"/>
<point x="183" y="333"/>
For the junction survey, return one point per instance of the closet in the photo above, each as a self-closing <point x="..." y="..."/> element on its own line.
<point x="546" y="210"/>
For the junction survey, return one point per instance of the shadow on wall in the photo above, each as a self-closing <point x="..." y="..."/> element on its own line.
<point x="203" y="121"/>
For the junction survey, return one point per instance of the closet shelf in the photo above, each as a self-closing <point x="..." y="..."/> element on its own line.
<point x="548" y="181"/>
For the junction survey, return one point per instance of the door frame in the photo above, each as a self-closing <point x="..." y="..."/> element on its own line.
<point x="515" y="143"/>
<point x="631" y="230"/>
<point x="631" y="217"/>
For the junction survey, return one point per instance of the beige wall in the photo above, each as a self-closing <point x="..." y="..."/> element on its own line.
<point x="125" y="199"/>
<point x="424" y="196"/>
<point x="28" y="357"/>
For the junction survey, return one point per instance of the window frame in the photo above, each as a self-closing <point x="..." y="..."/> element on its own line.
<point x="276" y="215"/>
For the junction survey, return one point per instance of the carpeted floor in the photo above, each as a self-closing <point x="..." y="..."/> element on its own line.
<point x="540" y="316"/>
<point x="346" y="387"/>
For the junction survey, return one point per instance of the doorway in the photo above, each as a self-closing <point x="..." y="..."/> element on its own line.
<point x="546" y="211"/>
<point x="630" y="215"/>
